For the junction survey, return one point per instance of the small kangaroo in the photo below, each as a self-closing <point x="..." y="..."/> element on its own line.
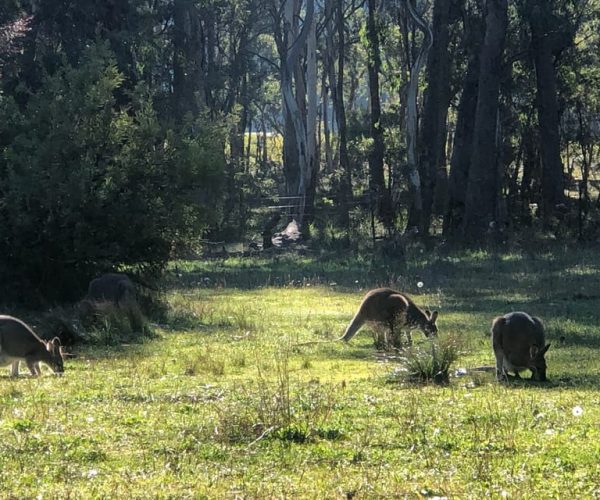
<point x="518" y="340"/>
<point x="393" y="309"/>
<point x="18" y="342"/>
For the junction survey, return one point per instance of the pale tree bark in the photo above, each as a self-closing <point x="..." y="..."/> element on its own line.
<point x="285" y="28"/>
<point x="482" y="187"/>
<point x="414" y="179"/>
<point x="306" y="159"/>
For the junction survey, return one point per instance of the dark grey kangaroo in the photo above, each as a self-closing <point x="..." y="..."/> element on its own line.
<point x="112" y="287"/>
<point x="519" y="344"/>
<point x="18" y="343"/>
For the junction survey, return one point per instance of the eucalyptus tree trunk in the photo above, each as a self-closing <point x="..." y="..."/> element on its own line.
<point x="188" y="75"/>
<point x="416" y="206"/>
<point x="291" y="157"/>
<point x="301" y="126"/>
<point x="462" y="146"/>
<point x="308" y="182"/>
<point x="482" y="185"/>
<point x="326" y="123"/>
<point x="544" y="42"/>
<point x="334" y="15"/>
<point x="432" y="140"/>
<point x="377" y="179"/>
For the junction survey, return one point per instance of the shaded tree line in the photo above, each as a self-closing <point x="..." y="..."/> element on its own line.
<point x="130" y="129"/>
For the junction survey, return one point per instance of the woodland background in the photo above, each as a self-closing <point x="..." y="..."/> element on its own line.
<point x="133" y="130"/>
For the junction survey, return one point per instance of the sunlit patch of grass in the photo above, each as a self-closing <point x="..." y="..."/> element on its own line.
<point x="235" y="399"/>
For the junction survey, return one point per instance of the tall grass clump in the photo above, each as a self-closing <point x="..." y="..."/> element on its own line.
<point x="431" y="361"/>
<point x="186" y="312"/>
<point x="107" y="323"/>
<point x="274" y="406"/>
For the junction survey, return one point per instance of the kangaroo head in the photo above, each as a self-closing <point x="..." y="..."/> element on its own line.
<point x="537" y="362"/>
<point x="56" y="355"/>
<point x="430" y="328"/>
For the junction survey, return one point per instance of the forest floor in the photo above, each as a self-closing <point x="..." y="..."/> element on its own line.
<point x="224" y="403"/>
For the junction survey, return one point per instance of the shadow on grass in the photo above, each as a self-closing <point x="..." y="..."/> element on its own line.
<point x="565" y="340"/>
<point x="27" y="376"/>
<point x="517" y="272"/>
<point x="591" y="382"/>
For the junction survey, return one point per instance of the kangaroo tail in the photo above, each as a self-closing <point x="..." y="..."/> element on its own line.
<point x="353" y="327"/>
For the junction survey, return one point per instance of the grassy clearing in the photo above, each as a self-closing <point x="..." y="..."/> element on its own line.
<point x="225" y="403"/>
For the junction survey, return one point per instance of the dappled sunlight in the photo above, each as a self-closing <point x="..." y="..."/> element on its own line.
<point x="251" y="381"/>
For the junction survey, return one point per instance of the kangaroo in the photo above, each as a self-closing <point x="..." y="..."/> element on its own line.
<point x="393" y="309"/>
<point x="112" y="287"/>
<point x="18" y="343"/>
<point x="518" y="341"/>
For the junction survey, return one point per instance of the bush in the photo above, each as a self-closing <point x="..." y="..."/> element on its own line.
<point x="97" y="323"/>
<point x="431" y="361"/>
<point x="88" y="187"/>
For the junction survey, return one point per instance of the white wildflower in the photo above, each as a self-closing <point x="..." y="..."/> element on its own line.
<point x="577" y="411"/>
<point x="91" y="473"/>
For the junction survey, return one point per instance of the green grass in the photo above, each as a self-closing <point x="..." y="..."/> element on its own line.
<point x="225" y="402"/>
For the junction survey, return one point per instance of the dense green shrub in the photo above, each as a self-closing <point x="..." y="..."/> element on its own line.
<point x="86" y="186"/>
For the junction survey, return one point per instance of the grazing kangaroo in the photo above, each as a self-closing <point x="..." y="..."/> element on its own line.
<point x="519" y="344"/>
<point x="18" y="343"/>
<point x="112" y="287"/>
<point x="395" y="310"/>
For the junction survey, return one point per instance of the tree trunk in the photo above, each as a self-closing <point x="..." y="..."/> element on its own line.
<point x="483" y="174"/>
<point x="377" y="180"/>
<point x="308" y="188"/>
<point x="291" y="156"/>
<point x="326" y="124"/>
<point x="463" y="136"/>
<point x="414" y="178"/>
<point x="437" y="99"/>
<point x="299" y="125"/>
<point x="187" y="60"/>
<point x="542" y="41"/>
<point x="340" y="116"/>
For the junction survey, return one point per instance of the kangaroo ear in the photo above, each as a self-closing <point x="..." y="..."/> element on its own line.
<point x="427" y="313"/>
<point x="545" y="349"/>
<point x="534" y="351"/>
<point x="433" y="317"/>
